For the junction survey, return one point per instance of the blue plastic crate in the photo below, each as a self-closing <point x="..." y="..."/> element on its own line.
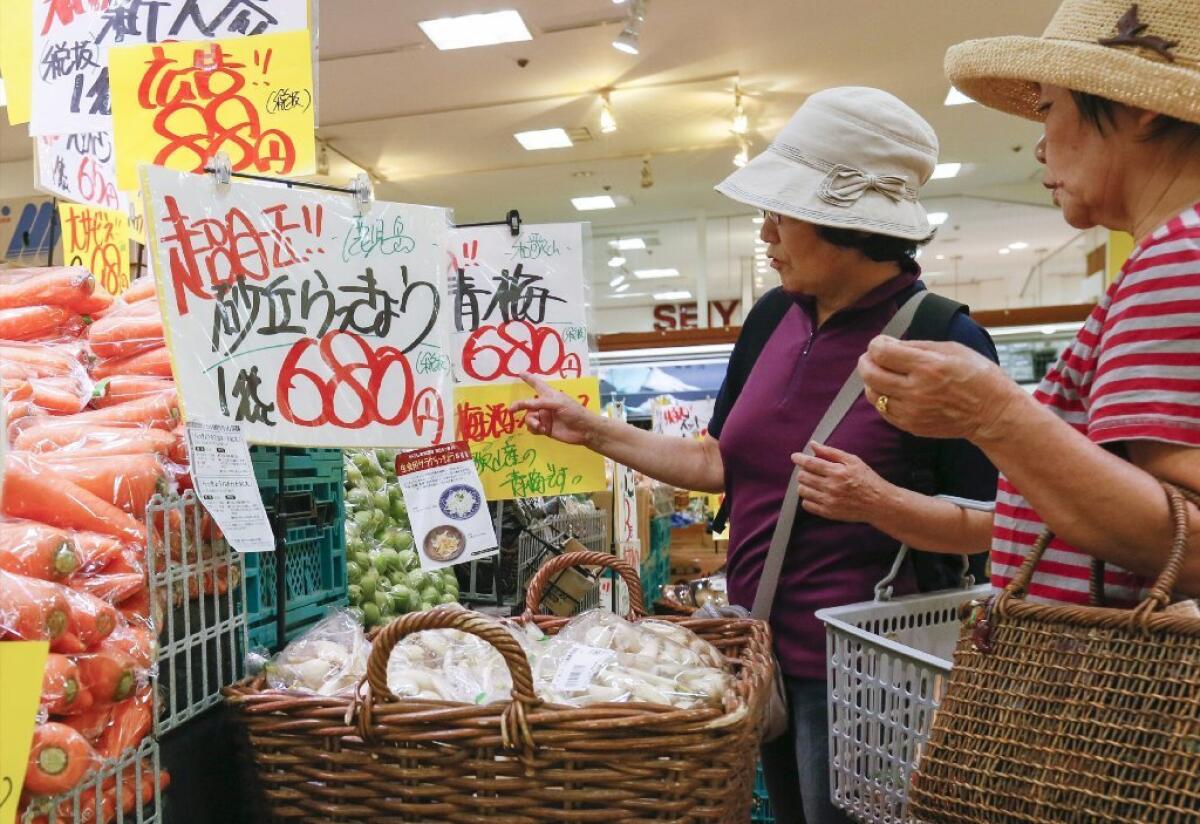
<point x="760" y="806"/>
<point x="316" y="543"/>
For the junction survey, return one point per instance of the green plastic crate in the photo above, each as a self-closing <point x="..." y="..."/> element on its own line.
<point x="316" y="543"/>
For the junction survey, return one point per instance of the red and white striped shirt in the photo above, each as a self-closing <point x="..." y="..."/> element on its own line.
<point x="1132" y="373"/>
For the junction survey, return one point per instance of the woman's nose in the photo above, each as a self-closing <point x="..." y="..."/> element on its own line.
<point x="1039" y="151"/>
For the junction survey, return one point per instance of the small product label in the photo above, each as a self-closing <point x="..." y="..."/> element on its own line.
<point x="579" y="667"/>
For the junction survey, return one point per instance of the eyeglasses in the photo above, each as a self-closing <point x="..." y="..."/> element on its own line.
<point x="774" y="217"/>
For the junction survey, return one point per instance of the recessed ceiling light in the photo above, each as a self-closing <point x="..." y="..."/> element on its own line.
<point x="938" y="218"/>
<point x="544" y="139"/>
<point x="622" y="287"/>
<point x="617" y="281"/>
<point x="940" y="257"/>
<point x="956" y="98"/>
<point x="1018" y="246"/>
<point x="615" y="261"/>
<point x="630" y="294"/>
<point x="945" y="170"/>
<point x="680" y="294"/>
<point x="626" y="244"/>
<point x="476" y="30"/>
<point x="1004" y="251"/>
<point x="591" y="204"/>
<point x="650" y="274"/>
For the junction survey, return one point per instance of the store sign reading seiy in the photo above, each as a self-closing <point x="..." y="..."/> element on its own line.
<point x="517" y="304"/>
<point x="72" y="39"/>
<point x="293" y="314"/>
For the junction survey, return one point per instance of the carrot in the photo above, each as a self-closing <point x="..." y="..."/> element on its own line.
<point x="131" y="722"/>
<point x="58" y="760"/>
<point x="178" y="452"/>
<point x="96" y="551"/>
<point x="32" y="610"/>
<point x="122" y="388"/>
<point x="140" y="289"/>
<point x="160" y="411"/>
<point x="56" y="395"/>
<point x="36" y="322"/>
<point x="68" y="644"/>
<point x="92" y="620"/>
<point x="134" y="640"/>
<point x="36" y="550"/>
<point x="16" y="389"/>
<point x="90" y="724"/>
<point x="40" y="495"/>
<point x="18" y="411"/>
<point x="119" y="336"/>
<point x="155" y="362"/>
<point x="96" y="305"/>
<point x="113" y="589"/>
<point x="43" y="360"/>
<point x="60" y="684"/>
<point x="109" y="676"/>
<point x="61" y="286"/>
<point x="50" y="435"/>
<point x="128" y="482"/>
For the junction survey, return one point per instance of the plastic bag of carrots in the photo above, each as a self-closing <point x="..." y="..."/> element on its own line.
<point x="51" y="377"/>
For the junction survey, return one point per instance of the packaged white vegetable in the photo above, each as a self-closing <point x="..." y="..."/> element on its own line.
<point x="329" y="659"/>
<point x="709" y="655"/>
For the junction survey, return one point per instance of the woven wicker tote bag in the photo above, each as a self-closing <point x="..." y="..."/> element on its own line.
<point x="1069" y="713"/>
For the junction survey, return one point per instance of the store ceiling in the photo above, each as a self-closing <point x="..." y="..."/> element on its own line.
<point x="437" y="127"/>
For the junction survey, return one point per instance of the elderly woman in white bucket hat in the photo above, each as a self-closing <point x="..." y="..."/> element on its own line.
<point x="838" y="188"/>
<point x="1118" y="89"/>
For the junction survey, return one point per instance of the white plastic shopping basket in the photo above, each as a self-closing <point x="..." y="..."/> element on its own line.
<point x="888" y="664"/>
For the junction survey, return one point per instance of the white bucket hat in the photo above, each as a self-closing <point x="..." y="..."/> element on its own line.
<point x="850" y="157"/>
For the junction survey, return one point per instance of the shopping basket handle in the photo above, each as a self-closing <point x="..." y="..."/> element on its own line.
<point x="541" y="579"/>
<point x="473" y="623"/>
<point x="883" y="590"/>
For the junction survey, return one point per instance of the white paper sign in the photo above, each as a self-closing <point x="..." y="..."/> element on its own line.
<point x="224" y="478"/>
<point x="289" y="312"/>
<point x="71" y="39"/>
<point x="682" y="419"/>
<point x="579" y="666"/>
<point x="446" y="505"/>
<point x="517" y="304"/>
<point x="81" y="168"/>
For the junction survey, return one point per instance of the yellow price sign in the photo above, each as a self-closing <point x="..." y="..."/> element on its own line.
<point x="512" y="461"/>
<point x="98" y="240"/>
<point x="22" y="663"/>
<point x="178" y="104"/>
<point x="16" y="57"/>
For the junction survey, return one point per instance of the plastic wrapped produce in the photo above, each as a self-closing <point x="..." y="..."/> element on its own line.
<point x="330" y="658"/>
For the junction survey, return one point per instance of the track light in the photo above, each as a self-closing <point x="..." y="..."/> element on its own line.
<point x="608" y="123"/>
<point x="627" y="40"/>
<point x="741" y="124"/>
<point x="647" y="174"/>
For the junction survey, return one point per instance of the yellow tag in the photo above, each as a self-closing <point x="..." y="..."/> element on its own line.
<point x="177" y="104"/>
<point x="22" y="664"/>
<point x="98" y="240"/>
<point x="16" y="57"/>
<point x="514" y="463"/>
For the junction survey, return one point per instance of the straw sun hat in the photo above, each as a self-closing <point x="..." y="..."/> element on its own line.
<point x="1144" y="54"/>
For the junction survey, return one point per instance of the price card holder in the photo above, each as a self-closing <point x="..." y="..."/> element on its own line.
<point x="22" y="664"/>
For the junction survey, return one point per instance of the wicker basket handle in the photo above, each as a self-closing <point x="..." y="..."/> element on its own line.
<point x="464" y="620"/>
<point x="541" y="579"/>
<point x="1160" y="593"/>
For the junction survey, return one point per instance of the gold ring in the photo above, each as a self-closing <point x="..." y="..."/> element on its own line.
<point x="881" y="404"/>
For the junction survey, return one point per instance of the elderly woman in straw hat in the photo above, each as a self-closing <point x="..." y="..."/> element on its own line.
<point x="838" y="188"/>
<point x="1118" y="89"/>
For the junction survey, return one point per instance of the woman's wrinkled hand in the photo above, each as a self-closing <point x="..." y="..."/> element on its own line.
<point x="936" y="389"/>
<point x="839" y="486"/>
<point x="557" y="415"/>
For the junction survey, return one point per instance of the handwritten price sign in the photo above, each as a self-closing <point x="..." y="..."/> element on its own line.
<point x="82" y="168"/>
<point x="681" y="419"/>
<point x="179" y="104"/>
<point x="518" y="304"/>
<point x="513" y="462"/>
<point x="22" y="663"/>
<point x="98" y="240"/>
<point x="292" y="314"/>
<point x="72" y="91"/>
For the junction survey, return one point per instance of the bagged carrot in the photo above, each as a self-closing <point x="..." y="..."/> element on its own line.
<point x="31" y="323"/>
<point x="92" y="620"/>
<point x="62" y="286"/>
<point x="131" y="722"/>
<point x="154" y="362"/>
<point x="40" y="495"/>
<point x="59" y="395"/>
<point x="41" y="361"/>
<point x="114" y="588"/>
<point x="128" y="481"/>
<point x="135" y="640"/>
<point x="58" y="760"/>
<point x="96" y="305"/>
<point x="96" y="550"/>
<point x="121" y="388"/>
<point x="16" y="389"/>
<point x="121" y="335"/>
<point x="141" y="289"/>
<point x="92" y="723"/>
<point x="109" y="676"/>
<point x="32" y="610"/>
<point x="36" y="550"/>
<point x="61" y="688"/>
<point x="160" y="411"/>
